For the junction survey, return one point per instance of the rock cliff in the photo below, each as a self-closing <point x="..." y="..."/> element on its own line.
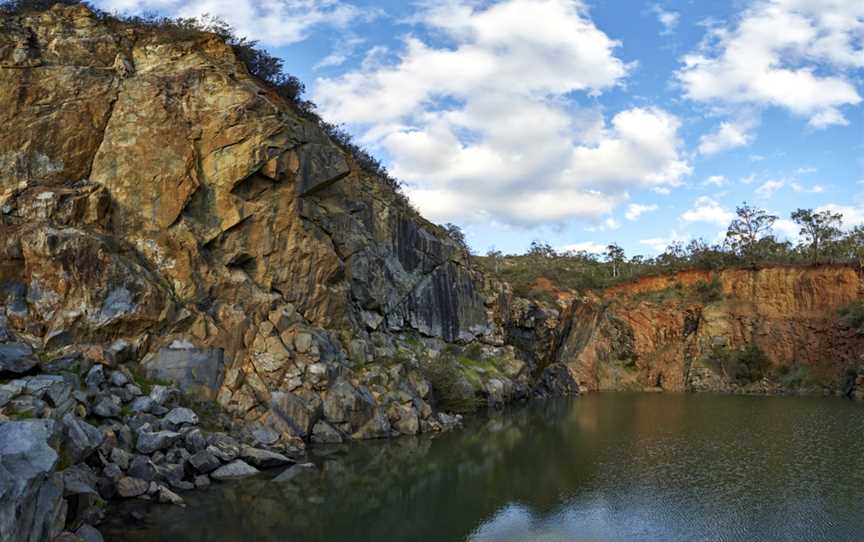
<point x="160" y="205"/>
<point x="768" y="330"/>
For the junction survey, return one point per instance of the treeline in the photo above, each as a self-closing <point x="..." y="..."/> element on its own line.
<point x="260" y="64"/>
<point x="750" y="241"/>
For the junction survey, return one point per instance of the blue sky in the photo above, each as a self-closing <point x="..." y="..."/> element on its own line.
<point x="581" y="123"/>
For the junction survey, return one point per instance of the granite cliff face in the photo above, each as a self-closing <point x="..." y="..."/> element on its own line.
<point x="684" y="332"/>
<point x="161" y="205"/>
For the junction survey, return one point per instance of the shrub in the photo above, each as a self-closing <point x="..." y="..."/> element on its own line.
<point x="745" y="366"/>
<point x="708" y="292"/>
<point x="852" y="316"/>
<point x="452" y="391"/>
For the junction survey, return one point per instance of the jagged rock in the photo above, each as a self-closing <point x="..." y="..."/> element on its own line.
<point x="377" y="427"/>
<point x="166" y="496"/>
<point x="118" y="379"/>
<point x="265" y="436"/>
<point x="141" y="467"/>
<point x="179" y="417"/>
<point x="95" y="377"/>
<point x="324" y="433"/>
<point x="128" y="487"/>
<point x="31" y="496"/>
<point x="236" y="469"/>
<point x="195" y="441"/>
<point x="298" y="413"/>
<point x="223" y="446"/>
<point x="142" y="404"/>
<point x="81" y="438"/>
<point x="205" y="461"/>
<point x="109" y="406"/>
<point x="149" y="442"/>
<point x="263" y="459"/>
<point x="202" y="481"/>
<point x="121" y="458"/>
<point x="164" y="396"/>
<point x="16" y="358"/>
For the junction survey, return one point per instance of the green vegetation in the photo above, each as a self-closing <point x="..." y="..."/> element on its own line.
<point x="745" y="366"/>
<point x="749" y="242"/>
<point x="452" y="391"/>
<point x="852" y="316"/>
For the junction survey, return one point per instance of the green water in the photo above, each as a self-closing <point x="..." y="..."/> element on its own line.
<point x="602" y="467"/>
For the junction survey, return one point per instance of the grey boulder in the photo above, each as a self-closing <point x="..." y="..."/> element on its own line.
<point x="236" y="469"/>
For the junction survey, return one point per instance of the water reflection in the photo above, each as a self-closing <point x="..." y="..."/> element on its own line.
<point x="598" y="468"/>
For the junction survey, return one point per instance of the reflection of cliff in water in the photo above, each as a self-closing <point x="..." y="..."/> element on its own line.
<point x="600" y="467"/>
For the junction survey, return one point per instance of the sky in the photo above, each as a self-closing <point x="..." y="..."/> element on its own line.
<point x="580" y="123"/>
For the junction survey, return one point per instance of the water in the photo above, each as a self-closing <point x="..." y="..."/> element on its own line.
<point x="602" y="467"/>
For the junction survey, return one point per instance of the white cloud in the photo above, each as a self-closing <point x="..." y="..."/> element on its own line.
<point x="585" y="246"/>
<point x="668" y="19"/>
<point x="342" y="50"/>
<point x="767" y="189"/>
<point x="272" y="22"/>
<point x="801" y="189"/>
<point x="793" y="54"/>
<point x="852" y="215"/>
<point x="716" y="180"/>
<point x="635" y="210"/>
<point x="659" y="244"/>
<point x="708" y="210"/>
<point x="728" y="136"/>
<point x="807" y="170"/>
<point x="787" y="229"/>
<point x="483" y="129"/>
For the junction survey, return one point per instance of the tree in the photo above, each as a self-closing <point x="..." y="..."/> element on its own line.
<point x="455" y="233"/>
<point x="745" y="232"/>
<point x="615" y="256"/>
<point x="819" y="230"/>
<point x="541" y="249"/>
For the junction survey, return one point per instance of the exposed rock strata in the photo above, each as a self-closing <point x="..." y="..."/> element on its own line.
<point x="657" y="332"/>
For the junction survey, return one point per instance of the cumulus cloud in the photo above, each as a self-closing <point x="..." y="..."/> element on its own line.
<point x="793" y="54"/>
<point x="272" y="22"/>
<point x="801" y="189"/>
<point x="484" y="129"/>
<point x="716" y="180"/>
<point x="708" y="210"/>
<point x="727" y="136"/>
<point x="660" y="244"/>
<point x="635" y="210"/>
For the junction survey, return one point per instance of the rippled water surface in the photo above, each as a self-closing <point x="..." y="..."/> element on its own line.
<point x="602" y="467"/>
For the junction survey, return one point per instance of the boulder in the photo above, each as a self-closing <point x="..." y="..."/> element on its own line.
<point x="236" y="469"/>
<point x="128" y="487"/>
<point x="180" y="416"/>
<point x="32" y="508"/>
<point x="16" y="358"/>
<point x="205" y="461"/>
<point x="80" y="438"/>
<point x="149" y="442"/>
<point x="263" y="459"/>
<point x="324" y="433"/>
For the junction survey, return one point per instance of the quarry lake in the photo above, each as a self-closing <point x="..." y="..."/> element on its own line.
<point x="601" y="467"/>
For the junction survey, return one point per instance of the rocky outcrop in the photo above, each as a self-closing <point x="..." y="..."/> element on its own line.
<point x="691" y="331"/>
<point x="160" y="207"/>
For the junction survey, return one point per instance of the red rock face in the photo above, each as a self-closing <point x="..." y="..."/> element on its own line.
<point x="657" y="332"/>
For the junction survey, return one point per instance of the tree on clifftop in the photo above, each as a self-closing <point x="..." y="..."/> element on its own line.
<point x="746" y="232"/>
<point x="819" y="231"/>
<point x="615" y="256"/>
